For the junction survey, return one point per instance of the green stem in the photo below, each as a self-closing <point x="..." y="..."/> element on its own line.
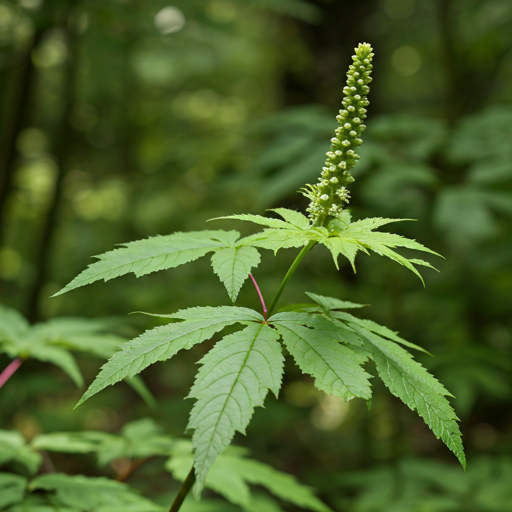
<point x="289" y="274"/>
<point x="182" y="493"/>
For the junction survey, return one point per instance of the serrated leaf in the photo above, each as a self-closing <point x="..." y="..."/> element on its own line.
<point x="213" y="313"/>
<point x="12" y="489"/>
<point x="330" y="303"/>
<point x="87" y="493"/>
<point x="233" y="266"/>
<point x="417" y="388"/>
<point x="151" y="255"/>
<point x="293" y="217"/>
<point x="234" y="379"/>
<point x="370" y="224"/>
<point x="347" y="247"/>
<point x="275" y="239"/>
<point x="161" y="343"/>
<point x="256" y="219"/>
<point x="377" y="329"/>
<point x="317" y="350"/>
<point x="359" y="235"/>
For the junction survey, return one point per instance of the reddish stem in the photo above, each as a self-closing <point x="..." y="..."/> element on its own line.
<point x="9" y="370"/>
<point x="260" y="296"/>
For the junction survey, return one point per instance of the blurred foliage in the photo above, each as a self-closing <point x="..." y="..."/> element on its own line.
<point x="126" y="119"/>
<point x="140" y="441"/>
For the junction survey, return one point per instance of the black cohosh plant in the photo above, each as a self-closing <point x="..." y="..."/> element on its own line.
<point x="326" y="341"/>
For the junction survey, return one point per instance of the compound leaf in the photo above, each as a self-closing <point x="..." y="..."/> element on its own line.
<point x="234" y="379"/>
<point x="163" y="342"/>
<point x="152" y="254"/>
<point x="317" y="350"/>
<point x="349" y="238"/>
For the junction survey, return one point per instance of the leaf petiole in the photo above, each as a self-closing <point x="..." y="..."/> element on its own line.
<point x="260" y="296"/>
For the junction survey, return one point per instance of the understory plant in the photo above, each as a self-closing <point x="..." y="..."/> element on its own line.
<point x="326" y="340"/>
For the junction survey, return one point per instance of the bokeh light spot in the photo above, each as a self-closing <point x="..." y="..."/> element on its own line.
<point x="330" y="413"/>
<point x="169" y="20"/>
<point x="406" y="60"/>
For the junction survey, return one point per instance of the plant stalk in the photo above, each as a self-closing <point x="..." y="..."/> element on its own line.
<point x="9" y="370"/>
<point x="289" y="274"/>
<point x="184" y="490"/>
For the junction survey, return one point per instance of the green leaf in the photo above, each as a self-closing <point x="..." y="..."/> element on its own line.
<point x="256" y="219"/>
<point x="330" y="303"/>
<point x="232" y="472"/>
<point x="317" y="350"/>
<point x="234" y="379"/>
<point x="151" y="255"/>
<point x="163" y="342"/>
<point x="369" y="224"/>
<point x="12" y="489"/>
<point x="349" y="238"/>
<point x="275" y="239"/>
<point x="347" y="247"/>
<point x="98" y="494"/>
<point x="419" y="390"/>
<point x="13" y="448"/>
<point x="293" y="217"/>
<point x="233" y="266"/>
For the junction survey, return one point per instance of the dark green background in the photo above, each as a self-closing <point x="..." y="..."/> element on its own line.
<point x="118" y="124"/>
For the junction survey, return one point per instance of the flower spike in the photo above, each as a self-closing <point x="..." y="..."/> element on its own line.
<point x="330" y="195"/>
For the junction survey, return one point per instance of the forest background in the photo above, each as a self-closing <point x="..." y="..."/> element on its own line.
<point x="124" y="119"/>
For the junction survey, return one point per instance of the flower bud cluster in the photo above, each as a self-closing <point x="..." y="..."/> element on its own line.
<point x="330" y="195"/>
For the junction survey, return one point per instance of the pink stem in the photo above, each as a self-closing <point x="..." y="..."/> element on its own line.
<point x="260" y="296"/>
<point x="9" y="370"/>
